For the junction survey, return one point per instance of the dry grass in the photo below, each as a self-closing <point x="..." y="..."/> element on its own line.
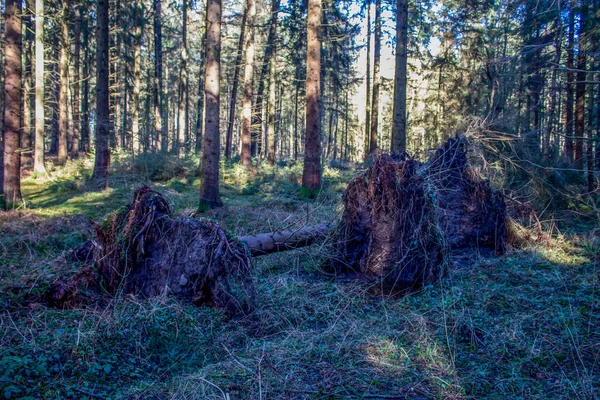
<point x="521" y="326"/>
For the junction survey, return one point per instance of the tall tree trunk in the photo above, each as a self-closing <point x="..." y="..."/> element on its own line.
<point x="85" y="87"/>
<point x="201" y="96"/>
<point x="311" y="176"/>
<point x="63" y="94"/>
<point x="182" y="133"/>
<point x="26" y="154"/>
<point x="580" y="87"/>
<point x="569" y="121"/>
<point x="296" y="122"/>
<point x="234" y="87"/>
<point x="248" y="85"/>
<point x="399" y="124"/>
<point x="211" y="148"/>
<point x="38" y="155"/>
<point x="368" y="88"/>
<point x="376" y="80"/>
<point x="11" y="182"/>
<point x="137" y="72"/>
<point x="272" y="59"/>
<point x="553" y="93"/>
<point x="158" y="78"/>
<point x="102" y="160"/>
<point x="75" y="145"/>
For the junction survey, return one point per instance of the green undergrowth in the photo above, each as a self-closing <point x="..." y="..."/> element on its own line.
<point x="520" y="326"/>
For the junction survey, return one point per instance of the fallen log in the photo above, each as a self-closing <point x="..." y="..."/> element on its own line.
<point x="273" y="242"/>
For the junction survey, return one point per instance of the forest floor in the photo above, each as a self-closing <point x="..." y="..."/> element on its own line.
<point x="525" y="325"/>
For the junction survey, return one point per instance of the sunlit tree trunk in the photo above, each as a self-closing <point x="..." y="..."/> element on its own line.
<point x="63" y="94"/>
<point x="102" y="160"/>
<point x="211" y="148"/>
<point x="182" y="130"/>
<point x="399" y="123"/>
<point x="137" y="72"/>
<point x="311" y="176"/>
<point x="75" y="145"/>
<point x="201" y="95"/>
<point x="39" y="147"/>
<point x="26" y="155"/>
<point x="85" y="85"/>
<point x="368" y="78"/>
<point x="248" y="85"/>
<point x="553" y="94"/>
<point x="272" y="60"/>
<point x="158" y="78"/>
<point x="234" y="87"/>
<point x="376" y="80"/>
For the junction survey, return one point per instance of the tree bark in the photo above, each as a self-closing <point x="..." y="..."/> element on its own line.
<point x="234" y="87"/>
<point x="137" y="72"/>
<point x="248" y="85"/>
<point x="201" y="96"/>
<point x="580" y="88"/>
<point x="26" y="154"/>
<point x="272" y="81"/>
<point x="11" y="184"/>
<point x="311" y="176"/>
<point x="75" y="145"/>
<point x="553" y="92"/>
<point x="569" y="122"/>
<point x="368" y="88"/>
<point x="273" y="242"/>
<point x="102" y="160"/>
<point x="85" y="87"/>
<point x="158" y="78"/>
<point x="63" y="94"/>
<point x="209" y="167"/>
<point x="182" y="131"/>
<point x="399" y="124"/>
<point x="376" y="80"/>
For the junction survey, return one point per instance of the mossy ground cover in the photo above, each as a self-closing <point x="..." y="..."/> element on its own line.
<point x="524" y="325"/>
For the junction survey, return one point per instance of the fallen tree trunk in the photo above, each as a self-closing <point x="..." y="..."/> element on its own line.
<point x="273" y="242"/>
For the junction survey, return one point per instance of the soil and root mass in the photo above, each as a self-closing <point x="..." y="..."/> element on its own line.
<point x="402" y="218"/>
<point x="145" y="250"/>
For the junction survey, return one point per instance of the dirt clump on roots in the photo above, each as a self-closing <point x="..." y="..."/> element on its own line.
<point x="402" y="219"/>
<point x="145" y="250"/>
<point x="388" y="232"/>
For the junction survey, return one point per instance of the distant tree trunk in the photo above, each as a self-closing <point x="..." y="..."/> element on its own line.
<point x="201" y="94"/>
<point x="102" y="160"/>
<point x="399" y="124"/>
<point x="26" y="155"/>
<point x="580" y="88"/>
<point x="569" y="121"/>
<point x="63" y="94"/>
<point x="272" y="72"/>
<point x="85" y="87"/>
<point x="75" y="146"/>
<point x="296" y="122"/>
<point x="553" y="92"/>
<point x="311" y="176"/>
<point x="234" y="87"/>
<point x="158" y="78"/>
<point x="11" y="183"/>
<point x="209" y="166"/>
<point x="248" y="85"/>
<point x="182" y="133"/>
<point x="376" y="80"/>
<point x="368" y="88"/>
<point x="137" y="72"/>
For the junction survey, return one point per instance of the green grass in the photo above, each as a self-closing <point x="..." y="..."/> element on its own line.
<point x="522" y="326"/>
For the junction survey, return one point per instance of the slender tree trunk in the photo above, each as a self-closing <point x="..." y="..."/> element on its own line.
<point x="234" y="87"/>
<point x="209" y="167"/>
<point x="569" y="121"/>
<point x="376" y="80"/>
<point x="368" y="88"/>
<point x="85" y="87"/>
<point x="311" y="176"/>
<point x="272" y="81"/>
<point x="75" y="146"/>
<point x="201" y="95"/>
<point x="26" y="155"/>
<point x="137" y="72"/>
<point x="399" y="124"/>
<point x="63" y="68"/>
<point x="580" y="89"/>
<point x="182" y="135"/>
<point x="296" y="122"/>
<point x="158" y="78"/>
<point x="553" y="92"/>
<point x="102" y="160"/>
<point x="11" y="184"/>
<point x="248" y="86"/>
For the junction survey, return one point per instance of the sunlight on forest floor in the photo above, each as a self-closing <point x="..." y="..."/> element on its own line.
<point x="523" y="325"/>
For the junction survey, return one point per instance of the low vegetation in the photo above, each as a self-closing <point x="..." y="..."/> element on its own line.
<point x="522" y="325"/>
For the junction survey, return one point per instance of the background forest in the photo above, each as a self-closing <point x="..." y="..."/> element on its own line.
<point x="257" y="114"/>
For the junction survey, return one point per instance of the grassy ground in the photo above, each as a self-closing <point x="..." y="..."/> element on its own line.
<point x="525" y="325"/>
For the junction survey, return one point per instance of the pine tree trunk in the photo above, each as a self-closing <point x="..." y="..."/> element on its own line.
<point x="368" y="78"/>
<point x="296" y="122"/>
<point x="553" y="93"/>
<point x="201" y="96"/>
<point x="75" y="146"/>
<point x="311" y="176"/>
<point x="11" y="183"/>
<point x="26" y="155"/>
<point x="182" y="110"/>
<point x="399" y="124"/>
<point x="272" y="72"/>
<point x="85" y="87"/>
<point x="63" y="94"/>
<point x="158" y="78"/>
<point x="102" y="160"/>
<point x="234" y="87"/>
<point x="580" y="89"/>
<point x="376" y="80"/>
<point x="248" y="86"/>
<point x="209" y="165"/>
<point x="39" y="149"/>
<point x="137" y="72"/>
<point x="569" y="121"/>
